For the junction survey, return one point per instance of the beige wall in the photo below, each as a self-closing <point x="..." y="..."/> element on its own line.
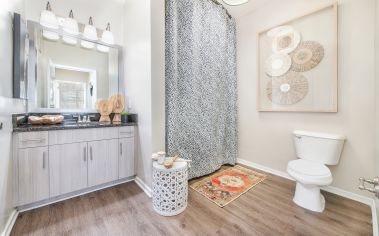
<point x="144" y="73"/>
<point x="138" y="78"/>
<point x="7" y="107"/>
<point x="265" y="137"/>
<point x="377" y="82"/>
<point x="158" y="74"/>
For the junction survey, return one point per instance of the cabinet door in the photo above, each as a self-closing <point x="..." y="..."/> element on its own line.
<point x="103" y="162"/>
<point x="68" y="168"/>
<point x="33" y="174"/>
<point x="126" y="158"/>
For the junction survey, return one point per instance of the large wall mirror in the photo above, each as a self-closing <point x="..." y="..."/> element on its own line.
<point x="68" y="73"/>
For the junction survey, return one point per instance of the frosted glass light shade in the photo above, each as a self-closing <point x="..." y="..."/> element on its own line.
<point x="48" y="18"/>
<point x="50" y="35"/>
<point x="107" y="37"/>
<point x="70" y="25"/>
<point x="86" y="44"/>
<point x="235" y="2"/>
<point x="90" y="31"/>
<point x="103" y="48"/>
<point x="69" y="40"/>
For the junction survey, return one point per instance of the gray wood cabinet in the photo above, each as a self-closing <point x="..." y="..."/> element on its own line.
<point x="52" y="164"/>
<point x="33" y="174"/>
<point x="68" y="168"/>
<point x="103" y="162"/>
<point x="126" y="167"/>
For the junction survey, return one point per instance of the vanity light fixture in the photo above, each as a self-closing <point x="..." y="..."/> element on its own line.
<point x="107" y="38"/>
<point x="235" y="2"/>
<point x="89" y="33"/>
<point x="70" y="25"/>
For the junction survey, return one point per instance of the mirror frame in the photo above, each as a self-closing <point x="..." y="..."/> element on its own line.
<point x="31" y="58"/>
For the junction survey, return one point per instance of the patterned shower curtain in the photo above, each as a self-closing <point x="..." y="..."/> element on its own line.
<point x="201" y="84"/>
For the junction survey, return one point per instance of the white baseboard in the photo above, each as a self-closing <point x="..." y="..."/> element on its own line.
<point x="10" y="223"/>
<point x="349" y="195"/>
<point x="343" y="193"/>
<point x="143" y="186"/>
<point x="265" y="169"/>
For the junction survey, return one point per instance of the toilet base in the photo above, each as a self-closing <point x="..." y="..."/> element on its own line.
<point x="309" y="197"/>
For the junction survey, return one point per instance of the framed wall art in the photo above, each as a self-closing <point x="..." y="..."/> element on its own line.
<point x="297" y="63"/>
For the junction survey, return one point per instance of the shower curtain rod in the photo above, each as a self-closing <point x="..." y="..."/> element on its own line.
<point x="227" y="13"/>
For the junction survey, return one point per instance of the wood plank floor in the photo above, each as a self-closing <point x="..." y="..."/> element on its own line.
<point x="267" y="209"/>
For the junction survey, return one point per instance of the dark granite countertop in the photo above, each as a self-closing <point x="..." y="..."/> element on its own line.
<point x="91" y="125"/>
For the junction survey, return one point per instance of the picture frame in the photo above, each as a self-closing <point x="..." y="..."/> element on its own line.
<point x="297" y="63"/>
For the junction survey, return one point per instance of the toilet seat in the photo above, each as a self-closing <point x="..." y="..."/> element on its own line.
<point x="309" y="172"/>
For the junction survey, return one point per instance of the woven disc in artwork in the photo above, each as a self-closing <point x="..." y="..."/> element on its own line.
<point x="278" y="30"/>
<point x="307" y="56"/>
<point x="286" y="41"/>
<point x="277" y="64"/>
<point x="288" y="89"/>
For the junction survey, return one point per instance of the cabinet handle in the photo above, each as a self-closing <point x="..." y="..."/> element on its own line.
<point x="120" y="148"/>
<point x="90" y="153"/>
<point x="43" y="160"/>
<point x="85" y="154"/>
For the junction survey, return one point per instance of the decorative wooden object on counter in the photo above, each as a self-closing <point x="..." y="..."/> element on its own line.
<point x="118" y="102"/>
<point x="45" y="120"/>
<point x="104" y="107"/>
<point x="169" y="163"/>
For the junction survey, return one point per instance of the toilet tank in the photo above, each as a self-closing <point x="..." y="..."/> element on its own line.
<point x="319" y="147"/>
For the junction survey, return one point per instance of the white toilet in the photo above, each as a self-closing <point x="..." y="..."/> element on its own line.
<point x="315" y="150"/>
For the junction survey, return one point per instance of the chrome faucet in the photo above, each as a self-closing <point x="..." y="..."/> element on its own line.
<point x="89" y="118"/>
<point x="78" y="118"/>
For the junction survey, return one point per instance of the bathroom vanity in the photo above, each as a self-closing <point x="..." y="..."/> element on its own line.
<point x="52" y="163"/>
<point x="55" y="162"/>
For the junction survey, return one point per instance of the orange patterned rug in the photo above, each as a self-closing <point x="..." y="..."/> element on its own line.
<point x="227" y="184"/>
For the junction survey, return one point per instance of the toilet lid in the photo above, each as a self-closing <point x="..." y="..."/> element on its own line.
<point x="309" y="168"/>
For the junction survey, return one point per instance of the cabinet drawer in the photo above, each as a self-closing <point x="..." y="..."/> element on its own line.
<point x="32" y="139"/>
<point x="126" y="132"/>
<point x="81" y="135"/>
<point x="68" y="136"/>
